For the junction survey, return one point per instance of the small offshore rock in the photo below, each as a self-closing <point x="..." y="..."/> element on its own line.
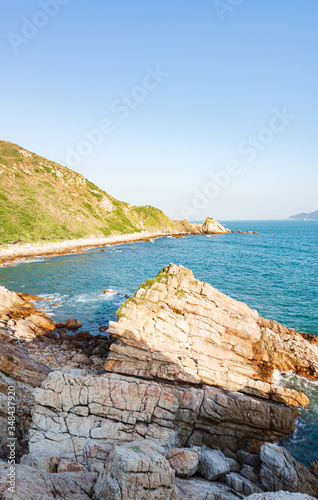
<point x="73" y="324"/>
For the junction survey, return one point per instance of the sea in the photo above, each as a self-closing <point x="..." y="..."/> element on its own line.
<point x="275" y="272"/>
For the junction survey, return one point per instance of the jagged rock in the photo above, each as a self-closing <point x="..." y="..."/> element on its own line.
<point x="19" y="370"/>
<point x="280" y="471"/>
<point x="184" y="461"/>
<point x="314" y="467"/>
<point x="279" y="495"/>
<point x="200" y="489"/>
<point x="75" y="413"/>
<point x="39" y="485"/>
<point x="43" y="462"/>
<point x="10" y="300"/>
<point x="25" y="329"/>
<point x="42" y="321"/>
<point x="136" y="471"/>
<point x="212" y="226"/>
<point x="17" y="364"/>
<point x="250" y="473"/>
<point x="241" y="484"/>
<point x="234" y="465"/>
<point x="252" y="459"/>
<point x="213" y="464"/>
<point x="180" y="329"/>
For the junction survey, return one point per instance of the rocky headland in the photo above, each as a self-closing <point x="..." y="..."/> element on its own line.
<point x="177" y="400"/>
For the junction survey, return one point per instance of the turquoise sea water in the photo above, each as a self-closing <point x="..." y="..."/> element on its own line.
<point x="275" y="272"/>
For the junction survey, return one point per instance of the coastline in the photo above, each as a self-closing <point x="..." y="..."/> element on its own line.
<point x="15" y="252"/>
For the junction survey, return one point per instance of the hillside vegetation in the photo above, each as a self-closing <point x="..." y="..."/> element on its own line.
<point x="43" y="201"/>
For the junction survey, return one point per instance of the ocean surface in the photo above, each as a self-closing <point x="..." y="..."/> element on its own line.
<point x="275" y="272"/>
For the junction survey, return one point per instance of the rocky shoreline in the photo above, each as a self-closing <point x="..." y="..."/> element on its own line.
<point x="176" y="400"/>
<point x="16" y="252"/>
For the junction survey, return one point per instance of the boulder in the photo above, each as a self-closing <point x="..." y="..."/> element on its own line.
<point x="250" y="473"/>
<point x="10" y="300"/>
<point x="16" y="363"/>
<point x="213" y="464"/>
<point x="136" y="471"/>
<point x="80" y="358"/>
<point x="42" y="321"/>
<point x="280" y="471"/>
<point x="242" y="485"/>
<point x="179" y="329"/>
<point x="184" y="461"/>
<point x="39" y="485"/>
<point x="212" y="226"/>
<point x="25" y="329"/>
<point x="200" y="489"/>
<point x="73" y="324"/>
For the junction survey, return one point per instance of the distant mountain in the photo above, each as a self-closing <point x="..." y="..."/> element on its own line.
<point x="303" y="216"/>
<point x="43" y="201"/>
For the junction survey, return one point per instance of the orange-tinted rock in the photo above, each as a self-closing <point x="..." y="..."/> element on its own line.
<point x="43" y="322"/>
<point x="73" y="324"/>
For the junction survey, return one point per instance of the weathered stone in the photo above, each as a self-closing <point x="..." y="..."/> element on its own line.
<point x="234" y="465"/>
<point x="213" y="464"/>
<point x="184" y="461"/>
<point x="40" y="485"/>
<point x="242" y="485"/>
<point x="42" y="321"/>
<point x="200" y="489"/>
<point x="73" y="324"/>
<point x="177" y="328"/>
<point x="250" y="473"/>
<point x="43" y="462"/>
<point x="122" y="409"/>
<point x="252" y="459"/>
<point x="11" y="300"/>
<point x="17" y="364"/>
<point x="280" y="471"/>
<point x="80" y="358"/>
<point x="66" y="466"/>
<point x="136" y="471"/>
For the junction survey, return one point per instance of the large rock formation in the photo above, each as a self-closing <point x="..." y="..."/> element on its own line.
<point x="81" y="418"/>
<point x="189" y="391"/>
<point x="212" y="226"/>
<point x="280" y="471"/>
<point x="179" y="329"/>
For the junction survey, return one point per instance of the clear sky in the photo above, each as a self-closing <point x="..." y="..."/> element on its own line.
<point x="199" y="107"/>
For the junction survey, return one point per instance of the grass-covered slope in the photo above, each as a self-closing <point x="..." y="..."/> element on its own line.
<point x="43" y="201"/>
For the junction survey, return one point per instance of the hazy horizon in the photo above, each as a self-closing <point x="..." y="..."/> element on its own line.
<point x="197" y="109"/>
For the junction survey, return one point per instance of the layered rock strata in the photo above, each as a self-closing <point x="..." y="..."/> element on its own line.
<point x="176" y="328"/>
<point x="81" y="418"/>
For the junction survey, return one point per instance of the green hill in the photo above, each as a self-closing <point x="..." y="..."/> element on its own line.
<point x="43" y="201"/>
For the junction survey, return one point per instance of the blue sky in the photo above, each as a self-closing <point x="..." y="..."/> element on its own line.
<point x="181" y="99"/>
